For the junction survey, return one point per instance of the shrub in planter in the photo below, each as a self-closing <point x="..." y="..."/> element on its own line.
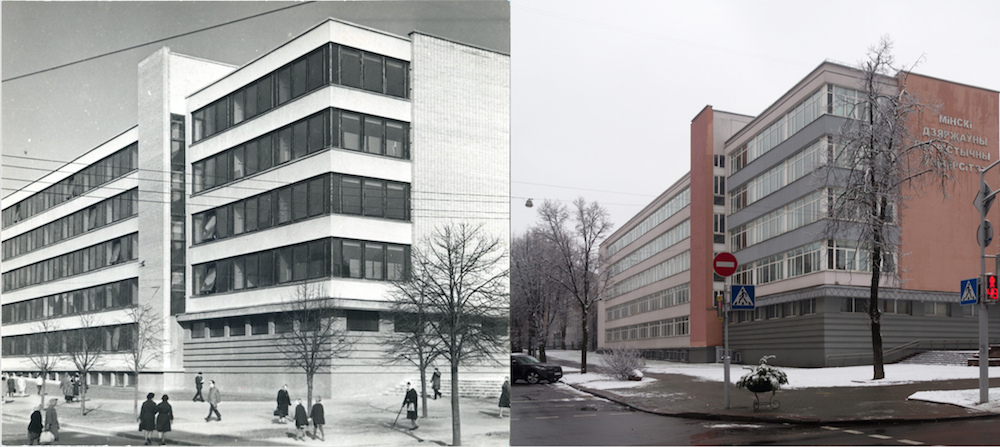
<point x="624" y="362"/>
<point x="763" y="377"/>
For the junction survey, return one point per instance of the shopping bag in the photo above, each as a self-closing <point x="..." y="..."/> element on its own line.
<point x="47" y="437"/>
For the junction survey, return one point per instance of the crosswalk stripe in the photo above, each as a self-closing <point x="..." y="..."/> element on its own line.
<point x="907" y="441"/>
<point x="880" y="436"/>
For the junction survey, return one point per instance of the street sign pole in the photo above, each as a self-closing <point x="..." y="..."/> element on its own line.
<point x="725" y="340"/>
<point x="983" y="202"/>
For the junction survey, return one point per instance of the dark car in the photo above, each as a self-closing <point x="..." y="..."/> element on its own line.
<point x="529" y="369"/>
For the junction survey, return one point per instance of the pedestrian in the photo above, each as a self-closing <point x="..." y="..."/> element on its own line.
<point x="214" y="397"/>
<point x="147" y="417"/>
<point x="164" y="414"/>
<point x="318" y="418"/>
<point x="504" y="395"/>
<point x="436" y="383"/>
<point x="301" y="420"/>
<point x="197" y="386"/>
<point x="39" y="382"/>
<point x="11" y="385"/>
<point x="22" y="385"/>
<point x="76" y="386"/>
<point x="52" y="419"/>
<point x="410" y="402"/>
<point x="66" y="386"/>
<point x="283" y="403"/>
<point x="35" y="427"/>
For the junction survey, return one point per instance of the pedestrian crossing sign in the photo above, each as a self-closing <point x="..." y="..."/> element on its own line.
<point x="743" y="297"/>
<point x="969" y="291"/>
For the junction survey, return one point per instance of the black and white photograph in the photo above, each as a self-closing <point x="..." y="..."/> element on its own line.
<point x="255" y="223"/>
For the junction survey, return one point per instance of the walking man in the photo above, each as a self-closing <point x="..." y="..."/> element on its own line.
<point x="197" y="386"/>
<point x="436" y="383"/>
<point x="39" y="382"/>
<point x="214" y="397"/>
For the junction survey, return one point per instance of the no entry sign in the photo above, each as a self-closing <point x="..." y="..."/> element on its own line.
<point x="724" y="264"/>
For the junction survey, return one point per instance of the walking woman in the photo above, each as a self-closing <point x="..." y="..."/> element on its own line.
<point x="147" y="417"/>
<point x="35" y="427"/>
<point x="318" y="418"/>
<point x="410" y="402"/>
<point x="52" y="419"/>
<point x="505" y="395"/>
<point x="283" y="403"/>
<point x="66" y="385"/>
<point x="164" y="414"/>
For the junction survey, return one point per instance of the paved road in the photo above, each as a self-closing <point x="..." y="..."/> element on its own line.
<point x="16" y="433"/>
<point x="559" y="415"/>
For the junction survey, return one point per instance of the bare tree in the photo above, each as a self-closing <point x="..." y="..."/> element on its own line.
<point x="85" y="347"/>
<point x="144" y="344"/>
<point x="413" y="341"/>
<point x="539" y="299"/>
<point x="45" y="346"/>
<point x="877" y="161"/>
<point x="463" y="274"/>
<point x="312" y="336"/>
<point x="578" y="264"/>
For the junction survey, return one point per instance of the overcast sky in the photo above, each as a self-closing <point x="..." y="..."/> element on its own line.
<point x="603" y="93"/>
<point x="60" y="114"/>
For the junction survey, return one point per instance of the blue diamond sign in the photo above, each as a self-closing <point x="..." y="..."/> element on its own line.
<point x="968" y="291"/>
<point x="743" y="297"/>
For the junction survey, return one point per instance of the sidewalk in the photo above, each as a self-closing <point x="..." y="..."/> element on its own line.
<point x="686" y="396"/>
<point x="356" y="421"/>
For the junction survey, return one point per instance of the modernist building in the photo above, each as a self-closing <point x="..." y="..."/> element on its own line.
<point x="323" y="161"/>
<point x="754" y="190"/>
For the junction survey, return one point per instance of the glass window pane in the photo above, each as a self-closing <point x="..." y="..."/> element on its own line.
<point x="264" y="94"/>
<point x="395" y="263"/>
<point x="284" y="85"/>
<point x="351" y="195"/>
<point x="264" y="212"/>
<point x="284" y="205"/>
<point x="317" y="259"/>
<point x="316" y="133"/>
<point x="374" y="260"/>
<point x="352" y="259"/>
<point x="222" y="228"/>
<point x="210" y="173"/>
<point x="300" y="143"/>
<point x="300" y="201"/>
<point x="373" y="72"/>
<point x="284" y="145"/>
<point x="284" y="264"/>
<point x="238" y="109"/>
<point x="250" y="110"/>
<point x="350" y="67"/>
<point x="266" y="150"/>
<point x="317" y="196"/>
<point x="373" y="135"/>
<point x="373" y="198"/>
<point x="395" y="78"/>
<point x="251" y="214"/>
<point x="237" y="327"/>
<point x="238" y="218"/>
<point x="250" y="263"/>
<point x="315" y="70"/>
<point x="238" y="157"/>
<point x="395" y="140"/>
<point x="239" y="274"/>
<point x="259" y="325"/>
<point x="301" y="261"/>
<point x="350" y="125"/>
<point x="395" y="203"/>
<point x="252" y="158"/>
<point x="266" y="271"/>
<point x="299" y="74"/>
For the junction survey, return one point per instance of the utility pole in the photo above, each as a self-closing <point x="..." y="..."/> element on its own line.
<point x="983" y="201"/>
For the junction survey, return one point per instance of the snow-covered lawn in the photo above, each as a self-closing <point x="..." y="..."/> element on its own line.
<point x="848" y="376"/>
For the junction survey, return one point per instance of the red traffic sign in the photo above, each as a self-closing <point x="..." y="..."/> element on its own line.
<point x="724" y="264"/>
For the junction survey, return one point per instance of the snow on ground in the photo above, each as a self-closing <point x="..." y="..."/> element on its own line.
<point x="847" y="376"/>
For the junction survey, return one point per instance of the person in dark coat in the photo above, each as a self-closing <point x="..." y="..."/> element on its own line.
<point x="52" y="419"/>
<point x="147" y="416"/>
<point x="11" y="386"/>
<point x="410" y="402"/>
<point x="301" y="420"/>
<point x="197" y="385"/>
<point x="164" y="414"/>
<point x="318" y="418"/>
<point x="66" y="385"/>
<point x="504" y="395"/>
<point x="35" y="427"/>
<point x="283" y="403"/>
<point x="436" y="383"/>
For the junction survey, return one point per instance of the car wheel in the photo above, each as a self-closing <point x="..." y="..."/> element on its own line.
<point x="532" y="377"/>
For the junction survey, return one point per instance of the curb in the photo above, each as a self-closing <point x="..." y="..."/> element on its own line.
<point x="798" y="420"/>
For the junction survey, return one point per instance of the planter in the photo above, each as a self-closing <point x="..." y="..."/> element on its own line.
<point x="760" y="387"/>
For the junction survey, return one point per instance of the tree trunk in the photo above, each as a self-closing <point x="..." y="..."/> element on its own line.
<point x="423" y="387"/>
<point x="873" y="311"/>
<point x="309" y="390"/>
<point x="456" y="416"/>
<point x="83" y="393"/>
<point x="541" y="352"/>
<point x="42" y="392"/>
<point x="135" y="398"/>
<point x="583" y="345"/>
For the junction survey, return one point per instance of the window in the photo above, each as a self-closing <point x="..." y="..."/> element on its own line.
<point x="198" y="329"/>
<point x="282" y="324"/>
<point x="350" y="126"/>
<point x="373" y="203"/>
<point x="350" y="67"/>
<point x="259" y="325"/>
<point x="351" y="195"/>
<point x="373" y="135"/>
<point x="374" y="260"/>
<point x="317" y="259"/>
<point x="352" y="259"/>
<point x="362" y="320"/>
<point x="937" y="309"/>
<point x="395" y="78"/>
<point x="395" y="263"/>
<point x="318" y="196"/>
<point x="216" y="328"/>
<point x="395" y="139"/>
<point x="300" y="193"/>
<point x="373" y="72"/>
<point x="237" y="327"/>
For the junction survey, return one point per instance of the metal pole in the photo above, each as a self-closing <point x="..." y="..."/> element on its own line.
<point x="984" y="329"/>
<point x="725" y="342"/>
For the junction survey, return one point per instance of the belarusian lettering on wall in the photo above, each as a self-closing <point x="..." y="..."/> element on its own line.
<point x="960" y="137"/>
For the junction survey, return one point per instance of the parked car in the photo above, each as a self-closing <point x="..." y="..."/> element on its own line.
<point x="529" y="369"/>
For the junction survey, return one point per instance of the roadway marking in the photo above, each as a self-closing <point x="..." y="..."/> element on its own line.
<point x="827" y="427"/>
<point x="547" y="417"/>
<point x="854" y="432"/>
<point x="880" y="437"/>
<point x="584" y="415"/>
<point x="618" y="414"/>
<point x="907" y="441"/>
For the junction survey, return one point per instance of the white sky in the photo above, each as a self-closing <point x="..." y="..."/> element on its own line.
<point x="603" y="92"/>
